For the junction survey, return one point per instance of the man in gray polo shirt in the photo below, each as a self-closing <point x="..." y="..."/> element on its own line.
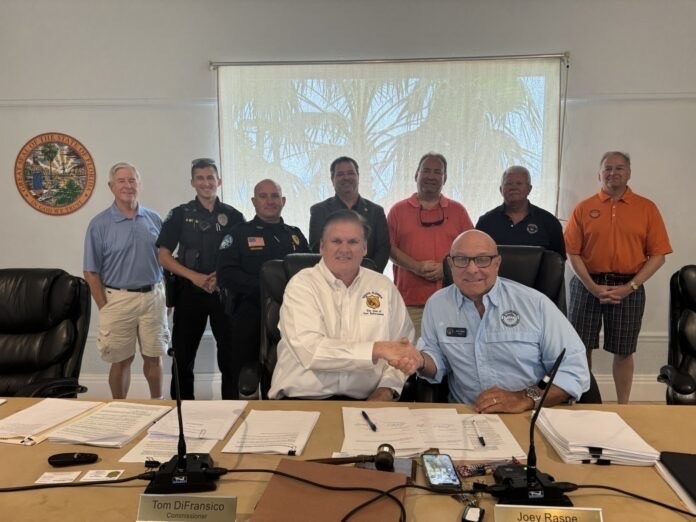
<point x="125" y="279"/>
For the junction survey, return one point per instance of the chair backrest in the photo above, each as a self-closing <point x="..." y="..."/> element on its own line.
<point x="681" y="353"/>
<point x="274" y="277"/>
<point x="44" y="320"/>
<point x="543" y="270"/>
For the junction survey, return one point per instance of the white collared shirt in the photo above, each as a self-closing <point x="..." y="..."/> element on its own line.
<point x="327" y="333"/>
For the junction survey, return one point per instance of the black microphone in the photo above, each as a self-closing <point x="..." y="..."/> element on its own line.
<point x="526" y="485"/>
<point x="185" y="472"/>
<point x="384" y="459"/>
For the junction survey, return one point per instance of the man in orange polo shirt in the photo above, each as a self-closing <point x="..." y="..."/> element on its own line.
<point x="421" y="230"/>
<point x="615" y="241"/>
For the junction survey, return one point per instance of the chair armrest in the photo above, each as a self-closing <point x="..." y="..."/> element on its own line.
<point x="63" y="387"/>
<point x="249" y="382"/>
<point x="425" y="391"/>
<point x="681" y="382"/>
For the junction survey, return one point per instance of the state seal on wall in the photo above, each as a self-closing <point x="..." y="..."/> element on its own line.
<point x="55" y="173"/>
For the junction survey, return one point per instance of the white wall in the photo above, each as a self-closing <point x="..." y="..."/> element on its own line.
<point x="130" y="79"/>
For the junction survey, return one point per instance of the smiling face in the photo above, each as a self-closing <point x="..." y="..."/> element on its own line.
<point x="614" y="173"/>
<point x="206" y="182"/>
<point x="430" y="178"/>
<point x="268" y="201"/>
<point x="345" y="180"/>
<point x="125" y="186"/>
<point x="515" y="187"/>
<point x="474" y="281"/>
<point x="342" y="247"/>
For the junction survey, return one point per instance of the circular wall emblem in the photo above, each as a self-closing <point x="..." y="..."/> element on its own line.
<point x="55" y="173"/>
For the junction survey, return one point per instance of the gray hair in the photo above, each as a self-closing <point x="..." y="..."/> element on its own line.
<point x="610" y="153"/>
<point x="516" y="168"/>
<point x="122" y="165"/>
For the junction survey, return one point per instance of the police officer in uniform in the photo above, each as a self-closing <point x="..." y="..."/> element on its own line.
<point x="198" y="227"/>
<point x="242" y="253"/>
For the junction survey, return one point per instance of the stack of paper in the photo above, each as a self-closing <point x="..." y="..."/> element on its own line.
<point x="205" y="423"/>
<point x="284" y="432"/>
<point x="583" y="436"/>
<point x="31" y="425"/>
<point x="110" y="426"/>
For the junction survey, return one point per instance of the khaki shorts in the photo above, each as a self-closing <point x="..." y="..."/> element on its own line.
<point x="416" y="315"/>
<point x="128" y="316"/>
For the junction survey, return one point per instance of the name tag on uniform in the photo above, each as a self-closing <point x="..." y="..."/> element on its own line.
<point x="453" y="331"/>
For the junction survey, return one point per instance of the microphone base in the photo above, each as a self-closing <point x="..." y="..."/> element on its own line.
<point x="512" y="487"/>
<point x="183" y="475"/>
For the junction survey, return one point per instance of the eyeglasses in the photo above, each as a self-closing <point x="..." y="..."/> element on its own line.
<point x="479" y="261"/>
<point x="201" y="163"/>
<point x="431" y="223"/>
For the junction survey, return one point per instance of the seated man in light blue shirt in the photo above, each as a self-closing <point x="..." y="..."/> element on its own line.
<point x="495" y="339"/>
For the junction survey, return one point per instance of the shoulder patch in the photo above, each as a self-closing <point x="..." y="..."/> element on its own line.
<point x="226" y="242"/>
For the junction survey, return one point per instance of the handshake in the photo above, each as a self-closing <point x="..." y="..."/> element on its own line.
<point x="400" y="354"/>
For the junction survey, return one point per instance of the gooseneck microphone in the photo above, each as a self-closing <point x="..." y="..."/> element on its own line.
<point x="526" y="485"/>
<point x="185" y="472"/>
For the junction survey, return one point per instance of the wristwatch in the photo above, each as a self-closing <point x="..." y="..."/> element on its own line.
<point x="535" y="394"/>
<point x="634" y="285"/>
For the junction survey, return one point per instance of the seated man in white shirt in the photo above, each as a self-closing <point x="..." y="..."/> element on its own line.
<point x="342" y="324"/>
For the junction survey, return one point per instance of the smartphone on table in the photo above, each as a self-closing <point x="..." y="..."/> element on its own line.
<point x="440" y="472"/>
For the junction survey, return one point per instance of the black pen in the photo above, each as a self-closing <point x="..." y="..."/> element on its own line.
<point x="371" y="424"/>
<point x="478" y="433"/>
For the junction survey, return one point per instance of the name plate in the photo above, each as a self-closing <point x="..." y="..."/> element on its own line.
<point x="165" y="508"/>
<point x="511" y="513"/>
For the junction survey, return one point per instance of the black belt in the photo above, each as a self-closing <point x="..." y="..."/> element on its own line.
<point x="141" y="290"/>
<point x="612" y="276"/>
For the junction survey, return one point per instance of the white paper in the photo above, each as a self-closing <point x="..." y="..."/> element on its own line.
<point x="500" y="443"/>
<point x="57" y="477"/>
<point x="440" y="427"/>
<point x="162" y="448"/>
<point x="395" y="426"/>
<point x="114" y="425"/>
<point x="573" y="433"/>
<point x="25" y="426"/>
<point x="284" y="432"/>
<point x="202" y="419"/>
<point x="94" y="475"/>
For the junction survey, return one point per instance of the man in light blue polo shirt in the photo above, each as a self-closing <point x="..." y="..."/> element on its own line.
<point x="125" y="278"/>
<point x="496" y="339"/>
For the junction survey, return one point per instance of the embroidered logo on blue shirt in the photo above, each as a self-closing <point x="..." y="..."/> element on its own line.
<point x="510" y="318"/>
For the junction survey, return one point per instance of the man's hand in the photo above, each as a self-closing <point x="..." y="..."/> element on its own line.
<point x="616" y="294"/>
<point x="400" y="354"/>
<point x="430" y="270"/>
<point x="206" y="282"/>
<point x="381" y="394"/>
<point x="497" y="400"/>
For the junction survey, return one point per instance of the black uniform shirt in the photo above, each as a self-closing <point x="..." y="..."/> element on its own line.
<point x="378" y="244"/>
<point x="539" y="227"/>
<point x="198" y="233"/>
<point x="250" y="245"/>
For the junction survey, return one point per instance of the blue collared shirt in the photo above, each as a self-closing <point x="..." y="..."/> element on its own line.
<point x="512" y="346"/>
<point x="122" y="250"/>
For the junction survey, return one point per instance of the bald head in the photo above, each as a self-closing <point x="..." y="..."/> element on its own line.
<point x="473" y="240"/>
<point x="268" y="200"/>
<point x="474" y="262"/>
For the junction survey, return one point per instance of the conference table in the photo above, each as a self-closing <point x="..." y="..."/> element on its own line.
<point x="666" y="428"/>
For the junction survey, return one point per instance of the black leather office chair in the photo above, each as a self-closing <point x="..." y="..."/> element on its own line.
<point x="44" y="320"/>
<point x="533" y="266"/>
<point x="255" y="380"/>
<point x="680" y="372"/>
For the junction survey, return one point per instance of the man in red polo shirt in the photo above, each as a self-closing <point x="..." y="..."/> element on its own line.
<point x="615" y="241"/>
<point x="421" y="229"/>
